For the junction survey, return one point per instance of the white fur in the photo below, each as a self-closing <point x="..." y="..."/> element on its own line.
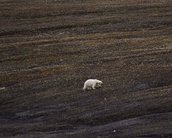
<point x="92" y="84"/>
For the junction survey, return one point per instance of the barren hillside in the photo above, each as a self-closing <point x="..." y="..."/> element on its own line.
<point x="48" y="48"/>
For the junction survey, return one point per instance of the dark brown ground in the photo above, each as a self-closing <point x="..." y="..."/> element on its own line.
<point x="49" y="48"/>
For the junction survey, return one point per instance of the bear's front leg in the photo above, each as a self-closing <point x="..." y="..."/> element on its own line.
<point x="94" y="86"/>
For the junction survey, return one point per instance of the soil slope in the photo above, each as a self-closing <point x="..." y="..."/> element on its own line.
<point x="48" y="48"/>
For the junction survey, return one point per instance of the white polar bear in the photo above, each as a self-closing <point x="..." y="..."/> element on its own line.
<point x="92" y="84"/>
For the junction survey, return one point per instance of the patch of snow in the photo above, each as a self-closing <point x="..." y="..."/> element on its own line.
<point x="114" y="131"/>
<point x="2" y="88"/>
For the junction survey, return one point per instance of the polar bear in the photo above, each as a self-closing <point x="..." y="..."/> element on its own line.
<point x="92" y="84"/>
